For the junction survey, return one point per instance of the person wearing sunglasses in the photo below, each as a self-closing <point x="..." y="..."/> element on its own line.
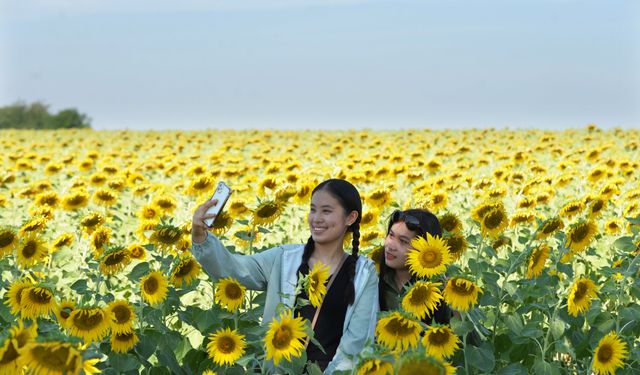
<point x="394" y="275"/>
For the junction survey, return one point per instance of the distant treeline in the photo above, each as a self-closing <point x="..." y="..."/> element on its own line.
<point x="37" y="116"/>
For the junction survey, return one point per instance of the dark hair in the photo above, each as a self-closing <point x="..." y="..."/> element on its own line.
<point x="426" y="222"/>
<point x="349" y="198"/>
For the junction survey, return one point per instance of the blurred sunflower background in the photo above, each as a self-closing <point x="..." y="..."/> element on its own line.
<point x="539" y="256"/>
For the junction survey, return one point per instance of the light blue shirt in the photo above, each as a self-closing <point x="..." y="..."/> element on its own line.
<point x="275" y="271"/>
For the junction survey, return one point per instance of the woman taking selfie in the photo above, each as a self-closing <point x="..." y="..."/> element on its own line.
<point x="347" y="315"/>
<point x="403" y="227"/>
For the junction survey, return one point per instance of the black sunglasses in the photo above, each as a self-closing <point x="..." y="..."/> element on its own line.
<point x="412" y="223"/>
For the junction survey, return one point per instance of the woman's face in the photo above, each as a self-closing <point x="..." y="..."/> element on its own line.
<point x="328" y="221"/>
<point x="397" y="244"/>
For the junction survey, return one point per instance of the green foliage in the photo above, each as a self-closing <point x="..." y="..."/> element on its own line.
<point x="36" y="116"/>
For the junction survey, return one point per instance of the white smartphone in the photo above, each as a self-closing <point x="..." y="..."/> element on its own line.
<point x="222" y="194"/>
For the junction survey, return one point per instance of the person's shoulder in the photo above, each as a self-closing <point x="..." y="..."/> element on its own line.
<point x="365" y="263"/>
<point x="292" y="247"/>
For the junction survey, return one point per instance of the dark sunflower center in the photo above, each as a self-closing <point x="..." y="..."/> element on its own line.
<point x="168" y="235"/>
<point x="282" y="338"/>
<point x="6" y="237"/>
<point x="605" y="353"/>
<point x="115" y="258"/>
<point x="91" y="221"/>
<point x="151" y="285"/>
<point x="420" y="295"/>
<point x="122" y="313"/>
<point x="125" y="337"/>
<point x="399" y="328"/>
<point x="267" y="210"/>
<point x="165" y="203"/>
<point x="418" y="368"/>
<point x="581" y="291"/>
<point x="461" y="288"/>
<point x="105" y="195"/>
<point x="439" y="337"/>
<point x="449" y="224"/>
<point x="493" y="219"/>
<point x="87" y="320"/>
<point x="40" y="296"/>
<point x="65" y="313"/>
<point x="438" y="198"/>
<point x="9" y="355"/>
<point x="455" y="244"/>
<point x="579" y="233"/>
<point x="572" y="208"/>
<point x="59" y="358"/>
<point x="29" y="249"/>
<point x="550" y="227"/>
<point x="184" y="268"/>
<point x="226" y="344"/>
<point x="232" y="291"/>
<point x="535" y="257"/>
<point x="202" y="184"/>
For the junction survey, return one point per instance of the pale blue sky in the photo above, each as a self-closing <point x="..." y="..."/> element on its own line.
<point x="329" y="64"/>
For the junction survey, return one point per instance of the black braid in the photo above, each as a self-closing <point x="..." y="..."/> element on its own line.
<point x="306" y="255"/>
<point x="353" y="259"/>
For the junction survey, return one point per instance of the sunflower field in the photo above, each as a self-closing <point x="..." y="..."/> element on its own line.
<point x="539" y="257"/>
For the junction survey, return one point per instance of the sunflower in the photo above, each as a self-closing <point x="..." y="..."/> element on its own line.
<point x="63" y="240"/>
<point x="153" y="287"/>
<point x="114" y="260"/>
<point x="137" y="251"/>
<point x="123" y="341"/>
<point x="450" y="222"/>
<point x="522" y="217"/>
<point x="201" y="185"/>
<point x="596" y="174"/>
<point x="304" y="190"/>
<point x="14" y="294"/>
<point x="438" y="200"/>
<point x="527" y="203"/>
<point x="246" y="236"/>
<point x="33" y="226"/>
<point x="229" y="294"/>
<point x="549" y="227"/>
<point x="378" y="198"/>
<point x="369" y="218"/>
<point x="165" y="237"/>
<point x="47" y="198"/>
<point x="457" y="243"/>
<point x="461" y="293"/>
<point x="419" y="364"/>
<point x="97" y="179"/>
<point x="398" y="331"/>
<point x="580" y="295"/>
<point x="222" y="223"/>
<point x="440" y="341"/>
<point x="10" y="349"/>
<point x="429" y="256"/>
<point x="185" y="272"/>
<point x="571" y="209"/>
<point x="317" y="283"/>
<point x="105" y="197"/>
<point x="91" y="324"/>
<point x="538" y="257"/>
<point x="484" y="208"/>
<point x="55" y="358"/>
<point x="30" y="251"/>
<point x="37" y="301"/>
<point x="226" y="346"/>
<point x="375" y="367"/>
<point x="122" y="316"/>
<point x="609" y="354"/>
<point x="150" y="212"/>
<point x="236" y="207"/>
<point x="285" y="338"/>
<point x="494" y="222"/>
<point x="579" y="235"/>
<point x="285" y="193"/>
<point x="8" y="240"/>
<point x="145" y="229"/>
<point x="422" y="299"/>
<point x="91" y="221"/>
<point x="613" y="226"/>
<point x="100" y="238"/>
<point x="267" y="212"/>
<point x="167" y="203"/>
<point x="63" y="312"/>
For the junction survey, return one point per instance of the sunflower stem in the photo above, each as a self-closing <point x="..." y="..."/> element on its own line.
<point x="464" y="345"/>
<point x="553" y="316"/>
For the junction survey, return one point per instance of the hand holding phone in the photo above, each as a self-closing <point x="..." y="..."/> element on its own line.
<point x="222" y="194"/>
